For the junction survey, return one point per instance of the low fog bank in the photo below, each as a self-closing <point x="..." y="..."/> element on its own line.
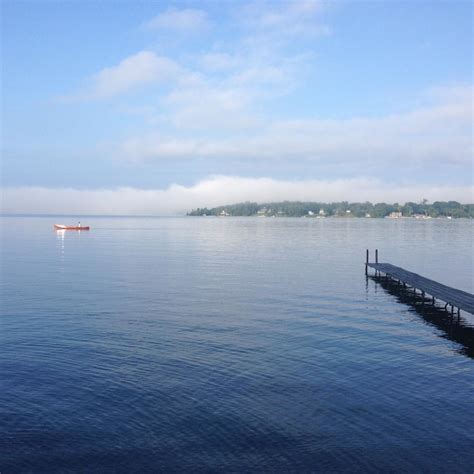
<point x="217" y="191"/>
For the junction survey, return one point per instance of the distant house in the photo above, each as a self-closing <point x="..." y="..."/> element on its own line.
<point x="310" y="213"/>
<point x="395" y="215"/>
<point x="367" y="215"/>
<point x="224" y="213"/>
<point x="348" y="211"/>
<point x="322" y="213"/>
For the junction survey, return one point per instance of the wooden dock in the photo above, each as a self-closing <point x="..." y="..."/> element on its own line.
<point x="451" y="296"/>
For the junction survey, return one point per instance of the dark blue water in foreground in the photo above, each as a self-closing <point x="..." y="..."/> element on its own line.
<point x="231" y="345"/>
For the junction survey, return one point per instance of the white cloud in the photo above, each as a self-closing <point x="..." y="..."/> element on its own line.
<point x="213" y="107"/>
<point x="220" y="110"/>
<point x="217" y="191"/>
<point x="184" y="21"/>
<point x="219" y="61"/>
<point x="141" y="68"/>
<point x="253" y="68"/>
<point x="283" y="20"/>
<point x="451" y="93"/>
<point x="440" y="133"/>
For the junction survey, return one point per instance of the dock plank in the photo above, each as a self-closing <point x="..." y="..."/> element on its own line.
<point x="457" y="298"/>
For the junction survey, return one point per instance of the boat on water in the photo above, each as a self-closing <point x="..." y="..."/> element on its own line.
<point x="70" y="227"/>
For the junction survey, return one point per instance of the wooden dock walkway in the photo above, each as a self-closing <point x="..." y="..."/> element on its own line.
<point x="451" y="296"/>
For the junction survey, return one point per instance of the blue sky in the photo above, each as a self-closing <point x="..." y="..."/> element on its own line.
<point x="210" y="102"/>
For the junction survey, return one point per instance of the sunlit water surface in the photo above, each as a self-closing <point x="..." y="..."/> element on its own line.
<point x="231" y="345"/>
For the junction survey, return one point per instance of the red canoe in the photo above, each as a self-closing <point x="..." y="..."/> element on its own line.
<point x="70" y="227"/>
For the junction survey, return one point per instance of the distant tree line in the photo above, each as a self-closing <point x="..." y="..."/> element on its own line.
<point x="355" y="209"/>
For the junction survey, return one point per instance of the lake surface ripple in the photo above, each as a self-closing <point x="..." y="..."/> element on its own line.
<point x="231" y="345"/>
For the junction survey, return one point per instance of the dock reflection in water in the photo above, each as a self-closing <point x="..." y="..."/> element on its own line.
<point x="454" y="327"/>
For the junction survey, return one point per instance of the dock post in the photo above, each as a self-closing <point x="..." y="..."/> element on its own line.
<point x="376" y="255"/>
<point x="366" y="260"/>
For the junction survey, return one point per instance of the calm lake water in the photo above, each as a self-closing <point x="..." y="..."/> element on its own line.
<point x="231" y="345"/>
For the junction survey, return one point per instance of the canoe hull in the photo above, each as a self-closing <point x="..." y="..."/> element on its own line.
<point x="68" y="227"/>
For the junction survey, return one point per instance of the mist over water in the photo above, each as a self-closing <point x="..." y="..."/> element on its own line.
<point x="231" y="345"/>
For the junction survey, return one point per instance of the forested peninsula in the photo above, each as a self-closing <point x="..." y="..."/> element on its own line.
<point x="423" y="210"/>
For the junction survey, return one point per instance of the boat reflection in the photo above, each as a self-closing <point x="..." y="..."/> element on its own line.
<point x="60" y="238"/>
<point x="456" y="328"/>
